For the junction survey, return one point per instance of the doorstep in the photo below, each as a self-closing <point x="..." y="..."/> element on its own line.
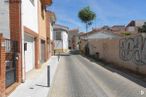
<point x="11" y="88"/>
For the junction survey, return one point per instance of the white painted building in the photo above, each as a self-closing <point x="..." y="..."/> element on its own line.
<point x="30" y="14"/>
<point x="29" y="20"/>
<point x="61" y="38"/>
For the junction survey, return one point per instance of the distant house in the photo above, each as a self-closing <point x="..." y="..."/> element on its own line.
<point x="134" y="25"/>
<point x="99" y="34"/>
<point x="60" y="38"/>
<point x="73" y="38"/>
<point x="118" y="28"/>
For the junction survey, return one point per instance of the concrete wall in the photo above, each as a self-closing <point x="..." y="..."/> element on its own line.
<point x="4" y="19"/>
<point x="127" y="52"/>
<point x="100" y="35"/>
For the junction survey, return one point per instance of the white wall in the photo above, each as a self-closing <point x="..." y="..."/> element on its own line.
<point x="58" y="44"/>
<point x="131" y="29"/>
<point x="29" y="19"/>
<point x="62" y="44"/>
<point x="99" y="35"/>
<point x="4" y="19"/>
<point x="65" y="39"/>
<point x="51" y="32"/>
<point x="30" y="14"/>
<point x="29" y="53"/>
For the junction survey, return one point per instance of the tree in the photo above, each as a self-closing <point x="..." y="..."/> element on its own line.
<point x="143" y="29"/>
<point x="86" y="16"/>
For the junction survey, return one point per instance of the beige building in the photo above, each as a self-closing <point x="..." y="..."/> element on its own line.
<point x="73" y="39"/>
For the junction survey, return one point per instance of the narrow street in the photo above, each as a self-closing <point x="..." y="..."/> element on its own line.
<point x="77" y="76"/>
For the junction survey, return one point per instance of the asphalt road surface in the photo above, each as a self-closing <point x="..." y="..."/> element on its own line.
<point x="77" y="76"/>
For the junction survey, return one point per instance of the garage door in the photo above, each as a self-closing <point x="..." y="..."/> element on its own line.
<point x="29" y="53"/>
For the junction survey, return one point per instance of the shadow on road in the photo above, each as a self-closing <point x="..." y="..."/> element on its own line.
<point x="41" y="85"/>
<point x="133" y="76"/>
<point x="128" y="74"/>
<point x="63" y="54"/>
<point x="72" y="52"/>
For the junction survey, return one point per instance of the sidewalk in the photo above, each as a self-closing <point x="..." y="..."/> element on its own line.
<point x="36" y="81"/>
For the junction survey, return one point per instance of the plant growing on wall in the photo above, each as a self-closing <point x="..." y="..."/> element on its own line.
<point x="126" y="33"/>
<point x="87" y="16"/>
<point x="143" y="29"/>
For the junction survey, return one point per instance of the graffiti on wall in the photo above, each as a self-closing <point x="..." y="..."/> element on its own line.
<point x="133" y="49"/>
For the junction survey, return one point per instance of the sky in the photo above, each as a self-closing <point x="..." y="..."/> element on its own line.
<point x="108" y="12"/>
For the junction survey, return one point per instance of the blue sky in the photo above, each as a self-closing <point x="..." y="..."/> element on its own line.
<point x="108" y="12"/>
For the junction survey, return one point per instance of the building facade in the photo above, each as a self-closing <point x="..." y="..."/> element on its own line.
<point x="73" y="39"/>
<point x="51" y="19"/>
<point x="23" y="28"/>
<point x="60" y="38"/>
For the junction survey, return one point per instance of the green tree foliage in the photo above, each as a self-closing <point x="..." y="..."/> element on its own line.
<point x="143" y="29"/>
<point x="86" y="16"/>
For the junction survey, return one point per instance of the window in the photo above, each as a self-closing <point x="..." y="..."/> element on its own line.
<point x="58" y="35"/>
<point x="32" y="1"/>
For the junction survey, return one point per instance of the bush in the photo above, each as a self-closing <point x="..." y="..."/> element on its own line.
<point x="126" y="33"/>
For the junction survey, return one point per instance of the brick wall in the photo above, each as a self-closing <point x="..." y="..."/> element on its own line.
<point x="49" y="42"/>
<point x="2" y="68"/>
<point x="15" y="23"/>
<point x="15" y="33"/>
